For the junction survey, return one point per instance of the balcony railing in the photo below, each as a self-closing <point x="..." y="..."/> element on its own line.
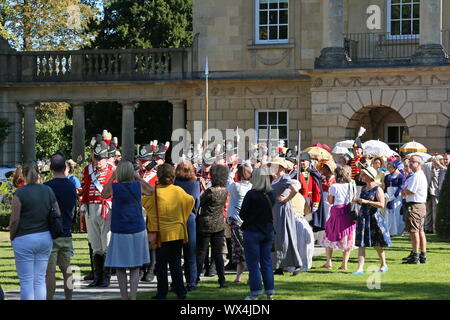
<point x="384" y="48"/>
<point x="96" y="65"/>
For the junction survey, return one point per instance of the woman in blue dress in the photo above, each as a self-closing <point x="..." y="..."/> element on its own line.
<point x="370" y="228"/>
<point x="284" y="189"/>
<point x="393" y="183"/>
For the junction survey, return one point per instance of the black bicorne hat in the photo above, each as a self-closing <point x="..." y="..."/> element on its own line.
<point x="100" y="150"/>
<point x="145" y="153"/>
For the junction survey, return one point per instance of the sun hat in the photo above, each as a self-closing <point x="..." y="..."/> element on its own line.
<point x="371" y="172"/>
<point x="281" y="162"/>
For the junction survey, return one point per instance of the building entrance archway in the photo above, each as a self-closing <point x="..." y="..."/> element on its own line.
<point x="381" y="123"/>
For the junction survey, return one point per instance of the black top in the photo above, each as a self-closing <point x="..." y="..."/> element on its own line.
<point x="36" y="201"/>
<point x="211" y="218"/>
<point x="66" y="195"/>
<point x="256" y="212"/>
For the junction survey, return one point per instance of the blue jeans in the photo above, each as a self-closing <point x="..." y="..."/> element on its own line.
<point x="257" y="251"/>
<point x="190" y="254"/>
<point x="31" y="253"/>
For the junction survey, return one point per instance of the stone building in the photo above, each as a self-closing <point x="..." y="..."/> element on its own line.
<point x="314" y="65"/>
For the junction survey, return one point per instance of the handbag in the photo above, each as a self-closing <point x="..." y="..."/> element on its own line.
<point x="352" y="212"/>
<point x="155" y="236"/>
<point x="55" y="224"/>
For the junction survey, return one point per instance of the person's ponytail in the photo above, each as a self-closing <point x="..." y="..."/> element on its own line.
<point x="30" y="172"/>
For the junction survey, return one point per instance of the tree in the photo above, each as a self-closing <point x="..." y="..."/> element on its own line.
<point x="53" y="130"/>
<point x="443" y="214"/>
<point x="144" y="24"/>
<point x="140" y="24"/>
<point x="46" y="24"/>
<point x="5" y="124"/>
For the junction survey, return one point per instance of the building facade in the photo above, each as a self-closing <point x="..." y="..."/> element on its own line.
<point x="324" y="67"/>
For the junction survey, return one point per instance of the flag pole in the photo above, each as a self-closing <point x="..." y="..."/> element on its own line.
<point x="299" y="150"/>
<point x="206" y="103"/>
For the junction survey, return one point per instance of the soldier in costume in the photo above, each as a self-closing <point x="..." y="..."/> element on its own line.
<point x="149" y="159"/>
<point x="97" y="210"/>
<point x="358" y="155"/>
<point x="313" y="185"/>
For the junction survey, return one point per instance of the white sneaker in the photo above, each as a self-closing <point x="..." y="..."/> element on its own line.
<point x="251" y="298"/>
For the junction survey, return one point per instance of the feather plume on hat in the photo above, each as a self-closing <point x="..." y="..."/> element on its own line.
<point x="361" y="131"/>
<point x="107" y="136"/>
<point x="217" y="149"/>
<point x="115" y="142"/>
<point x="167" y="145"/>
<point x="154" y="144"/>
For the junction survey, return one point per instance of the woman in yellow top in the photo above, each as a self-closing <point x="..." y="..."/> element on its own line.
<point x="174" y="206"/>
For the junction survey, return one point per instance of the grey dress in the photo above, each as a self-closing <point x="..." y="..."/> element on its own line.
<point x="286" y="250"/>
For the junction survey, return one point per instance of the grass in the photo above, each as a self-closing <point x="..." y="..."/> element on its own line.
<point x="423" y="282"/>
<point x="8" y="275"/>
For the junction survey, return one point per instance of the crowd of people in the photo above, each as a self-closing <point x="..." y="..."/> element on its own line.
<point x="264" y="215"/>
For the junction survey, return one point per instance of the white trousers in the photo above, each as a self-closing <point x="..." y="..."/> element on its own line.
<point x="98" y="229"/>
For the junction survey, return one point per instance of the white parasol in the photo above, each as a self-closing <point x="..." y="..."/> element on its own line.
<point x="376" y="148"/>
<point x="413" y="147"/>
<point x="345" y="144"/>
<point x="339" y="150"/>
<point x="425" y="156"/>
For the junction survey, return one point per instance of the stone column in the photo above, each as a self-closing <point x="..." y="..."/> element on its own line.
<point x="179" y="122"/>
<point x="430" y="51"/>
<point x="128" y="130"/>
<point x="333" y="54"/>
<point x="29" y="131"/>
<point x="178" y="115"/>
<point x="78" y="132"/>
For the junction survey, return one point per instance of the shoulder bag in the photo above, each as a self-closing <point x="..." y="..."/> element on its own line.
<point x="352" y="211"/>
<point x="55" y="223"/>
<point x="155" y="236"/>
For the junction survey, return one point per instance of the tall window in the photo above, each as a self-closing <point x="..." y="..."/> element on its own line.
<point x="272" y="21"/>
<point x="276" y="121"/>
<point x="403" y="18"/>
<point x="394" y="135"/>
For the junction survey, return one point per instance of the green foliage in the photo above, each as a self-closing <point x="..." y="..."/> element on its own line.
<point x="5" y="124"/>
<point x="443" y="215"/>
<point x="6" y="193"/>
<point x="47" y="24"/>
<point x="53" y="130"/>
<point x="144" y="24"/>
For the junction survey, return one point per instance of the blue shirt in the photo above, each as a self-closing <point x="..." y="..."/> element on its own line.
<point x="126" y="216"/>
<point x="66" y="196"/>
<point x="191" y="187"/>
<point x="75" y="181"/>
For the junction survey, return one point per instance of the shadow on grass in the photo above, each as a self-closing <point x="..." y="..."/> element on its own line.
<point x="313" y="290"/>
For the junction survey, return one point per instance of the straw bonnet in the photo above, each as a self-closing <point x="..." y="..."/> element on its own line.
<point x="281" y="162"/>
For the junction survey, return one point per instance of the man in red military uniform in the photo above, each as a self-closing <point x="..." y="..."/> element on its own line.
<point x="97" y="210"/>
<point x="310" y="187"/>
<point x="354" y="162"/>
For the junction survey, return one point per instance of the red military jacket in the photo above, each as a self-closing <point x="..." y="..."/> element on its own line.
<point x="90" y="193"/>
<point x="149" y="176"/>
<point x="313" y="189"/>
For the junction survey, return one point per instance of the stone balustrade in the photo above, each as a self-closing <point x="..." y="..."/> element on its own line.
<point x="95" y="65"/>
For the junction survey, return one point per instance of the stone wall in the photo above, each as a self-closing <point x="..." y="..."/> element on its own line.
<point x="227" y="36"/>
<point x="11" y="149"/>
<point x="420" y="96"/>
<point x="234" y="103"/>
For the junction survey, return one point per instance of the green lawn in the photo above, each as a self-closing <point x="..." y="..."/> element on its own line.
<point x="8" y="275"/>
<point x="429" y="281"/>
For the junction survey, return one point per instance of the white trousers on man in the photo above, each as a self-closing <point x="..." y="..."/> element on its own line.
<point x="98" y="229"/>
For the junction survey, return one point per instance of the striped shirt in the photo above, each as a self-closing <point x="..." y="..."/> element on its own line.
<point x="354" y="166"/>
